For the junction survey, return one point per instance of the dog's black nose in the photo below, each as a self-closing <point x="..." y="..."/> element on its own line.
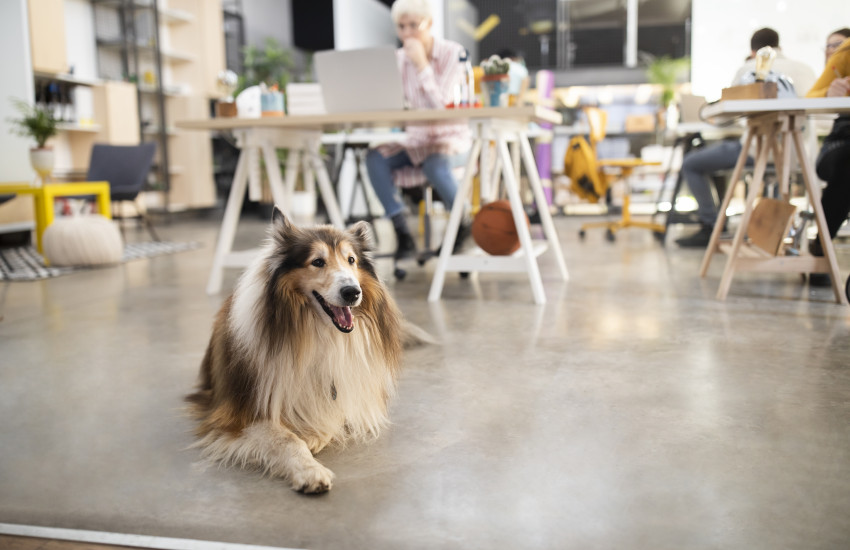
<point x="350" y="293"/>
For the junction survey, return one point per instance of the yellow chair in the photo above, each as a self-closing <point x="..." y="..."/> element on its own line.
<point x="612" y="170"/>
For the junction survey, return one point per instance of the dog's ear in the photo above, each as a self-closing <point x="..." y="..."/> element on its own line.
<point x="279" y="221"/>
<point x="361" y="233"/>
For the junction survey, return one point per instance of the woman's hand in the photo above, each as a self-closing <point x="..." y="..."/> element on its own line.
<point x="840" y="87"/>
<point x="415" y="52"/>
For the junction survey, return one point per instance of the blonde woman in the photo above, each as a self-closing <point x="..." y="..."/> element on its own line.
<point x="431" y="71"/>
<point x="833" y="163"/>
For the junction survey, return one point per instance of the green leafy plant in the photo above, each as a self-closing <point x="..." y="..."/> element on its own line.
<point x="36" y="122"/>
<point x="273" y="65"/>
<point x="666" y="71"/>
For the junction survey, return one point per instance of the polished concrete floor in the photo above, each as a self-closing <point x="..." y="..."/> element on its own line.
<point x="632" y="411"/>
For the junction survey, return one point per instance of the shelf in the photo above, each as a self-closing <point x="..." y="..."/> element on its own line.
<point x="169" y="16"/>
<point x="67" y="78"/>
<point x="171" y="91"/>
<point x="147" y="49"/>
<point x="155" y="132"/>
<point x="75" y="127"/>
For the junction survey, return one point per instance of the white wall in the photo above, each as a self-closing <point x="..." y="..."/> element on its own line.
<point x="267" y="18"/>
<point x="362" y="24"/>
<point x="16" y="68"/>
<point x="722" y="28"/>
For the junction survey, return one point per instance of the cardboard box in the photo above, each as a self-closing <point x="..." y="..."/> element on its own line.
<point x="640" y="123"/>
<point x="756" y="90"/>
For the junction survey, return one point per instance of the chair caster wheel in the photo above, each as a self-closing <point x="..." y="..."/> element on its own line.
<point x="581" y="234"/>
<point x="465" y="275"/>
<point x="609" y="235"/>
<point x="399" y="273"/>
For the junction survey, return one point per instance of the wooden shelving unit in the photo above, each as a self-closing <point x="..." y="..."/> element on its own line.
<point x="172" y="51"/>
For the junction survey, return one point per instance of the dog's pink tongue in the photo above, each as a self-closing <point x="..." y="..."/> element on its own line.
<point x="342" y="315"/>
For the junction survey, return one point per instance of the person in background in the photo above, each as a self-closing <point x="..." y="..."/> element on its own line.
<point x="518" y="74"/>
<point x="430" y="71"/>
<point x="700" y="164"/>
<point x="833" y="162"/>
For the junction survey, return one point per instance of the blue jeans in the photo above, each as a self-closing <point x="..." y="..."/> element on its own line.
<point x="437" y="168"/>
<point x="697" y="167"/>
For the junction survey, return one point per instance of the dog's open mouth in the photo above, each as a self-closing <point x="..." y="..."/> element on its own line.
<point x="340" y="315"/>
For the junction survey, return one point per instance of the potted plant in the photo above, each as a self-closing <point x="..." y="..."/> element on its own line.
<point x="665" y="72"/>
<point x="496" y="80"/>
<point x="38" y="123"/>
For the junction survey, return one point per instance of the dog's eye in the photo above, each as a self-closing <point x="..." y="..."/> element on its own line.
<point x="318" y="262"/>
<point x="351" y="259"/>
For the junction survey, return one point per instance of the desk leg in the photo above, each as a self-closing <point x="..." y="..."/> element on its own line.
<point x="279" y="195"/>
<point x="104" y="204"/>
<point x="764" y="146"/>
<point x="820" y="218"/>
<point x="454" y="221"/>
<point x="512" y="187"/>
<point x="326" y="188"/>
<point x="229" y="222"/>
<point x="542" y="205"/>
<point x="721" y="214"/>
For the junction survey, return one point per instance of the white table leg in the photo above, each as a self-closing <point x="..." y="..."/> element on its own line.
<point x="255" y="178"/>
<point x="229" y="222"/>
<point x="512" y="187"/>
<point x="326" y="189"/>
<point x="293" y="164"/>
<point x="275" y="180"/>
<point x="454" y="221"/>
<point x="542" y="205"/>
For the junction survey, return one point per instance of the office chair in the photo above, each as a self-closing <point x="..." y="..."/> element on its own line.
<point x="612" y="170"/>
<point x="126" y="168"/>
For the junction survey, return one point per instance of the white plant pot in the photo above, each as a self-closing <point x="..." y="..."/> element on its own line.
<point x="42" y="162"/>
<point x="303" y="207"/>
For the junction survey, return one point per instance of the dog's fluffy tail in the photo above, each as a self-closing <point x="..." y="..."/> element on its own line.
<point x="412" y="336"/>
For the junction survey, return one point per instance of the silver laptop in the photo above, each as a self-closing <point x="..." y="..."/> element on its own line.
<point x="360" y="80"/>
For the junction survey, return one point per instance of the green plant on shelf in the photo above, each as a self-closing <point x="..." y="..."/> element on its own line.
<point x="36" y="122"/>
<point x="666" y="71"/>
<point x="272" y="64"/>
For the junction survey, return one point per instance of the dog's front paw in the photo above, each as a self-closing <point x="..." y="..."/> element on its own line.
<point x="312" y="478"/>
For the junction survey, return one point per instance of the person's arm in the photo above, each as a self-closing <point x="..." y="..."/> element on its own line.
<point x="437" y="80"/>
<point x="837" y="67"/>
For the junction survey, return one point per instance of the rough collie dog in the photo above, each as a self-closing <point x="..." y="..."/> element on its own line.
<point x="305" y="352"/>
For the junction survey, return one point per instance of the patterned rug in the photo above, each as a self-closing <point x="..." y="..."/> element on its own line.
<point x="24" y="263"/>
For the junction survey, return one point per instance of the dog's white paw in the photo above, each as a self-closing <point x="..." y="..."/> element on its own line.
<point x="311" y="478"/>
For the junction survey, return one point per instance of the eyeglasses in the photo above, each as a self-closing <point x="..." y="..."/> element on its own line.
<point x="833" y="45"/>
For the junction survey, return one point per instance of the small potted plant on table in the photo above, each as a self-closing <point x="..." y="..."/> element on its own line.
<point x="496" y="81"/>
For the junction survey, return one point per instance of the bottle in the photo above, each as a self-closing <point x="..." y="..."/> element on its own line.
<point x="467" y="95"/>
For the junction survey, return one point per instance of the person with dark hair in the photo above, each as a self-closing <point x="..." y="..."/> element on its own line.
<point x="833" y="162"/>
<point x="699" y="164"/>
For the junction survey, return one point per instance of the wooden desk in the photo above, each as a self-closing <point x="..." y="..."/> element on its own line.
<point x="775" y="126"/>
<point x="43" y="196"/>
<point x="302" y="135"/>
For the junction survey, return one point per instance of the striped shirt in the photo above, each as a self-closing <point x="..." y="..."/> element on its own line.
<point x="432" y="88"/>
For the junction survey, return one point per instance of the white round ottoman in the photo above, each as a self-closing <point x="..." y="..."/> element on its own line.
<point x="82" y="241"/>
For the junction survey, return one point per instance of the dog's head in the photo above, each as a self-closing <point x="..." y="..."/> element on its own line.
<point x="328" y="267"/>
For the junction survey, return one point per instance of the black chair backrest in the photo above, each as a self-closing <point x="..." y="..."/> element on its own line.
<point x="125" y="167"/>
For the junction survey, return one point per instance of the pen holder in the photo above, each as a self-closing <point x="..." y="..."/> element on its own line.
<point x="271" y="104"/>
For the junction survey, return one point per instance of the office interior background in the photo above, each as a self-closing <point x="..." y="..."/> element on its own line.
<point x="633" y="410"/>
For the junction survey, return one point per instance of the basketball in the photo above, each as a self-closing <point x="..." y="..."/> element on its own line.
<point x="493" y="229"/>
